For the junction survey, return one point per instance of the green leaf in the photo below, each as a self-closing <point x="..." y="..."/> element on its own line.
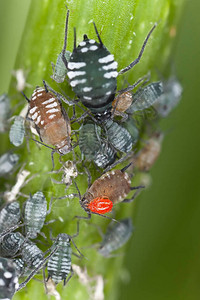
<point x="123" y="26"/>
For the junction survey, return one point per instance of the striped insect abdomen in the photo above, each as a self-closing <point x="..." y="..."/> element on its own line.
<point x="50" y="119"/>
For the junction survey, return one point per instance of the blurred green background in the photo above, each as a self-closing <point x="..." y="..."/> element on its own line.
<point x="163" y="258"/>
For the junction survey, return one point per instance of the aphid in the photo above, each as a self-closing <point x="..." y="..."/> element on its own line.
<point x="92" y="73"/>
<point x="111" y="188"/>
<point x="172" y="91"/>
<point x="4" y="111"/>
<point x="11" y="244"/>
<point x="59" y="70"/>
<point x="8" y="161"/>
<point x="59" y="265"/>
<point x="35" y="213"/>
<point x="116" y="236"/>
<point x="10" y="215"/>
<point x="19" y="265"/>
<point x="93" y="146"/>
<point x="145" y="97"/>
<point x="147" y="156"/>
<point x="121" y="103"/>
<point x="8" y="279"/>
<point x="17" y="131"/>
<point x="51" y="120"/>
<point x="31" y="255"/>
<point x="118" y="136"/>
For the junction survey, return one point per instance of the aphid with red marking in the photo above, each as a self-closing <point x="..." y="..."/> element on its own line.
<point x="50" y="119"/>
<point x="111" y="188"/>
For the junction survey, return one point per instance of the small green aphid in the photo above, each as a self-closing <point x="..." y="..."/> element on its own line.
<point x="8" y="161"/>
<point x="94" y="146"/>
<point x="10" y="216"/>
<point x="4" y="111"/>
<point x="172" y="91"/>
<point x="116" y="236"/>
<point x="59" y="70"/>
<point x="17" y="131"/>
<point x="35" y="213"/>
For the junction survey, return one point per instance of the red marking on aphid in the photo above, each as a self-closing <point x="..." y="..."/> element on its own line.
<point x="100" y="205"/>
<point x="51" y="120"/>
<point x="112" y="187"/>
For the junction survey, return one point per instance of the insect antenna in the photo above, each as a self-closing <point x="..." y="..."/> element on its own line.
<point x="136" y="61"/>
<point x="65" y="41"/>
<point x="126" y="167"/>
<point x="28" y="100"/>
<point x="74" y="39"/>
<point x="97" y="33"/>
<point x="45" y="86"/>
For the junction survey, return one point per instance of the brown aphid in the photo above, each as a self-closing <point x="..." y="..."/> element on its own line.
<point x="122" y="102"/>
<point x="51" y="120"/>
<point x="147" y="156"/>
<point x="112" y="187"/>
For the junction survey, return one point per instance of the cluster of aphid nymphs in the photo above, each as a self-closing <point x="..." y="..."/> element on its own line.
<point x="101" y="134"/>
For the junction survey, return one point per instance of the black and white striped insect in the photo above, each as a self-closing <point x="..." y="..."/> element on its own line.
<point x="59" y="264"/>
<point x="10" y="216"/>
<point x="8" y="279"/>
<point x="11" y="244"/>
<point x="93" y="146"/>
<point x="31" y="255"/>
<point x="116" y="236"/>
<point x="19" y="265"/>
<point x="4" y="112"/>
<point x="172" y="91"/>
<point x="59" y="70"/>
<point x="118" y="136"/>
<point x="35" y="213"/>
<point x="92" y="73"/>
<point x="8" y="162"/>
<point x="17" y="131"/>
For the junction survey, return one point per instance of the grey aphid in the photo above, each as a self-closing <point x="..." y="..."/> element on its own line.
<point x="105" y="155"/>
<point x="93" y="146"/>
<point x="19" y="265"/>
<point x="8" y="161"/>
<point x="4" y="111"/>
<point x="11" y="244"/>
<point x="60" y="70"/>
<point x="34" y="214"/>
<point x="116" y="236"/>
<point x="8" y="279"/>
<point x="59" y="264"/>
<point x="118" y="136"/>
<point x="146" y="97"/>
<point x="172" y="91"/>
<point x="31" y="255"/>
<point x="17" y="131"/>
<point x="10" y="215"/>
